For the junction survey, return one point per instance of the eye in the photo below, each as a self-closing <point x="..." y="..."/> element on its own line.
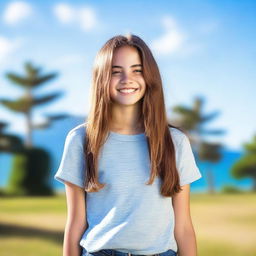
<point x="114" y="72"/>
<point x="136" y="71"/>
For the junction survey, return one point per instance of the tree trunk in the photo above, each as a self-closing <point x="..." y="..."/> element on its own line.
<point x="254" y="184"/>
<point x="28" y="114"/>
<point x="210" y="181"/>
<point x="28" y="141"/>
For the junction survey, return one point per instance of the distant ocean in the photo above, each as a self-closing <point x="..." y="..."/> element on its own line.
<point x="53" y="140"/>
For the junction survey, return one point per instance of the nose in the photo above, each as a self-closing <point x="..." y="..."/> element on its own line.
<point x="125" y="78"/>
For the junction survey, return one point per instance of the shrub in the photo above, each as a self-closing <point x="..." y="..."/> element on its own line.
<point x="230" y="189"/>
<point x="30" y="173"/>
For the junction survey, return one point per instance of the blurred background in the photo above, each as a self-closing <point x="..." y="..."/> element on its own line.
<point x="206" y="55"/>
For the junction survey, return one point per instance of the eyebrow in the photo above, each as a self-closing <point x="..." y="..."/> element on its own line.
<point x="132" y="66"/>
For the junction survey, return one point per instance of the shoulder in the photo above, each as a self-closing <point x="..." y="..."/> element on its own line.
<point x="180" y="138"/>
<point x="77" y="133"/>
<point x="177" y="135"/>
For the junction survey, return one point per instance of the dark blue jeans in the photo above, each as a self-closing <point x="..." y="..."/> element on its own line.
<point x="111" y="252"/>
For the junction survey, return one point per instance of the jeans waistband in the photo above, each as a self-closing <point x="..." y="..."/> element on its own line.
<point x="112" y="252"/>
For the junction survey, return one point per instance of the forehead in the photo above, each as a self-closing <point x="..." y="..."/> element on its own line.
<point x="126" y="54"/>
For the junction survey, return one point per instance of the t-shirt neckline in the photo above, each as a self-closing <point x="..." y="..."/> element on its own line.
<point x="127" y="137"/>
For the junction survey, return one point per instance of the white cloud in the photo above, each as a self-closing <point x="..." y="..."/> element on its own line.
<point x="16" y="11"/>
<point x="64" y="13"/>
<point x="7" y="47"/>
<point x="84" y="17"/>
<point x="172" y="40"/>
<point x="168" y="43"/>
<point x="169" y="23"/>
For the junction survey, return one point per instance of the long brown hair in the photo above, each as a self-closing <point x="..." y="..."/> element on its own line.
<point x="154" y="117"/>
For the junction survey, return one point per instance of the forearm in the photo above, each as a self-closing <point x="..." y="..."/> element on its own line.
<point x="186" y="241"/>
<point x="72" y="238"/>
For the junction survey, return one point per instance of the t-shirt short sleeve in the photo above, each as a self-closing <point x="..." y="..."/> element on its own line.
<point x="186" y="165"/>
<point x="72" y="165"/>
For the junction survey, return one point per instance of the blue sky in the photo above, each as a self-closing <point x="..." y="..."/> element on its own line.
<point x="202" y="48"/>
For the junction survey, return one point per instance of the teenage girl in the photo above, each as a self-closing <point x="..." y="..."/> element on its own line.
<point x="127" y="172"/>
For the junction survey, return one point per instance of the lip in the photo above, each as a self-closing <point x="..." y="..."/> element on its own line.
<point x="127" y="88"/>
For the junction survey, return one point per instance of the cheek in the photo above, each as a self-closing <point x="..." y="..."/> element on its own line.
<point x="113" y="82"/>
<point x="112" y="88"/>
<point x="143" y="84"/>
<point x="141" y="79"/>
<point x="143" y="90"/>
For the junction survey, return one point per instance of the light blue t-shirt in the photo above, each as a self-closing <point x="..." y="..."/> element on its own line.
<point x="126" y="215"/>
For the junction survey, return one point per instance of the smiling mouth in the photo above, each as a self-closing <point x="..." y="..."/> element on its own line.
<point x="127" y="91"/>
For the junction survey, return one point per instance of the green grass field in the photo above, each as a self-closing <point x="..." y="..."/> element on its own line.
<point x="225" y="225"/>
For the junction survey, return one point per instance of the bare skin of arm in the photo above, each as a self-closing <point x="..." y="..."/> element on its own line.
<point x="183" y="231"/>
<point x="76" y="222"/>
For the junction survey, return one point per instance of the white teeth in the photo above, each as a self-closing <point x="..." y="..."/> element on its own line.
<point x="127" y="90"/>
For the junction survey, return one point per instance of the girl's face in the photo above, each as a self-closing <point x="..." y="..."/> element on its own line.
<point x="127" y="74"/>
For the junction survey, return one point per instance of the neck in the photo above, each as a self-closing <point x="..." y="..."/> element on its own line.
<point x="126" y="119"/>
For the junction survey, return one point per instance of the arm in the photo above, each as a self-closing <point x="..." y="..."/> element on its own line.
<point x="76" y="219"/>
<point x="183" y="230"/>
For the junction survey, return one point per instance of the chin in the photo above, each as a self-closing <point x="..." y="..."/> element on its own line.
<point x="128" y="103"/>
